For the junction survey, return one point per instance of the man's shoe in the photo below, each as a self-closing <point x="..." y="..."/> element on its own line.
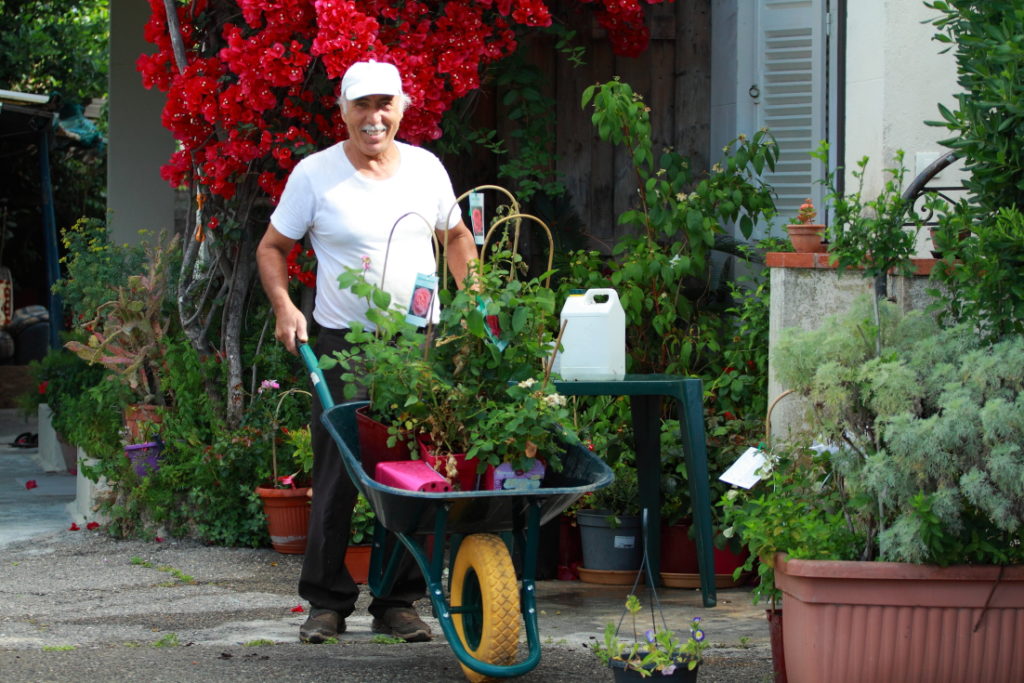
<point x="321" y="625"/>
<point x="402" y="622"/>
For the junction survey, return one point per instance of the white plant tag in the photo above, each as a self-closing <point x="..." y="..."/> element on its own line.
<point x="744" y="472"/>
<point x="476" y="216"/>
<point x="422" y="300"/>
<point x="625" y="542"/>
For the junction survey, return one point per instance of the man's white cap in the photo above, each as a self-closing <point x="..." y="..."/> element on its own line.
<point x="370" y="78"/>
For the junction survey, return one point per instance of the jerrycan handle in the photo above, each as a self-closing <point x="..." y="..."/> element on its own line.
<point x="613" y="296"/>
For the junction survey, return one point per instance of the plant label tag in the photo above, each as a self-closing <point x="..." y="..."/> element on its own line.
<point x="625" y="542"/>
<point x="422" y="301"/>
<point x="492" y="325"/>
<point x="476" y="216"/>
<point x="745" y="472"/>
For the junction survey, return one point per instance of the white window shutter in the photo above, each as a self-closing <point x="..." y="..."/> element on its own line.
<point x="792" y="66"/>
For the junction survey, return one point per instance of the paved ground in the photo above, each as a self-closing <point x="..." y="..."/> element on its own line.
<point x="80" y="606"/>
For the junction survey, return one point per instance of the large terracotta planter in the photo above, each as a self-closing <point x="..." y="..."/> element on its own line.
<point x="889" y="621"/>
<point x="287" y="512"/>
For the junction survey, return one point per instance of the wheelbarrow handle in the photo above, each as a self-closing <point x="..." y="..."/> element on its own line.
<point x="317" y="376"/>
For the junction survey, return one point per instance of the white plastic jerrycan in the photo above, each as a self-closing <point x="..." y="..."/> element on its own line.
<point x="594" y="340"/>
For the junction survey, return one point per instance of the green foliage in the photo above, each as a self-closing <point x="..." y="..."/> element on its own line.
<point x="363" y="521"/>
<point x="798" y="509"/>
<point x="94" y="267"/>
<point x="677" y="320"/>
<point x="477" y="373"/>
<point x="128" y="331"/>
<point x="659" y="651"/>
<point x="622" y="496"/>
<point x="662" y="273"/>
<point x="46" y="47"/>
<point x="870" y="233"/>
<point x="985" y="125"/>
<point x="60" y="378"/>
<point x="981" y="277"/>
<point x="927" y="435"/>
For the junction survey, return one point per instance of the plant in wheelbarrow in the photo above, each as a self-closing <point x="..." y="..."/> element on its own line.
<point x="473" y="392"/>
<point x="658" y="651"/>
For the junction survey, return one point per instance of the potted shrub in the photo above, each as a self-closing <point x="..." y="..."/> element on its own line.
<point x="610" y="530"/>
<point x="912" y="502"/>
<point x="127" y="335"/>
<point x="806" y="235"/>
<point x="285" y="497"/>
<point x="657" y="652"/>
<point x="357" y="555"/>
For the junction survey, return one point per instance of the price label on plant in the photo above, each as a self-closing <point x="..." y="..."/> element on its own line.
<point x="746" y="471"/>
<point x="476" y="216"/>
<point x="422" y="300"/>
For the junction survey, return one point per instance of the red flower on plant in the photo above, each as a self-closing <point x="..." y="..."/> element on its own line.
<point x="92" y="525"/>
<point x="42" y="386"/>
<point x="31" y="484"/>
<point x="74" y="527"/>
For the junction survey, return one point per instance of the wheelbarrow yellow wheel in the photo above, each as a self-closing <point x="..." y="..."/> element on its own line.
<point x="484" y="587"/>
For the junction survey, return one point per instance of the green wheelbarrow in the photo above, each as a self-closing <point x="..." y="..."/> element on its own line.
<point x="481" y="609"/>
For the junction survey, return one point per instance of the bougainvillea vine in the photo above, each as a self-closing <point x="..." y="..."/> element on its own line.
<point x="259" y="90"/>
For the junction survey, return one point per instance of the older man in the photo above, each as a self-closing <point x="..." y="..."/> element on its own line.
<point x="351" y="198"/>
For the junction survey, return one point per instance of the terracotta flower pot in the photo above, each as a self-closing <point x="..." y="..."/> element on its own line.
<point x="679" y="564"/>
<point x="807" y="237"/>
<point x="140" y="420"/>
<point x="287" y="512"/>
<point x="891" y="621"/>
<point x="778" y="645"/>
<point x="357" y="561"/>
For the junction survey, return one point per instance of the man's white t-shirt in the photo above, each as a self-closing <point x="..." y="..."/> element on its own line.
<point x="349" y="216"/>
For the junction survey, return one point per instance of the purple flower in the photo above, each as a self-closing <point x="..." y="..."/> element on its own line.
<point x="668" y="670"/>
<point x="698" y="635"/>
<point x="649" y="635"/>
<point x="268" y="384"/>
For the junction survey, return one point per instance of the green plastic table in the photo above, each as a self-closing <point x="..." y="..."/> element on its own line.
<point x="645" y="396"/>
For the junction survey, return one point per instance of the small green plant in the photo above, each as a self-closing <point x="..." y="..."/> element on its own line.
<point x="659" y="651"/>
<point x="382" y="639"/>
<point x="363" y="519"/>
<point x="58" y="648"/>
<point x="167" y="640"/>
<point x="176" y="573"/>
<point x="259" y="642"/>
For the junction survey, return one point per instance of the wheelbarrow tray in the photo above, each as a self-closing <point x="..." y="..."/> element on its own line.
<point x="412" y="512"/>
